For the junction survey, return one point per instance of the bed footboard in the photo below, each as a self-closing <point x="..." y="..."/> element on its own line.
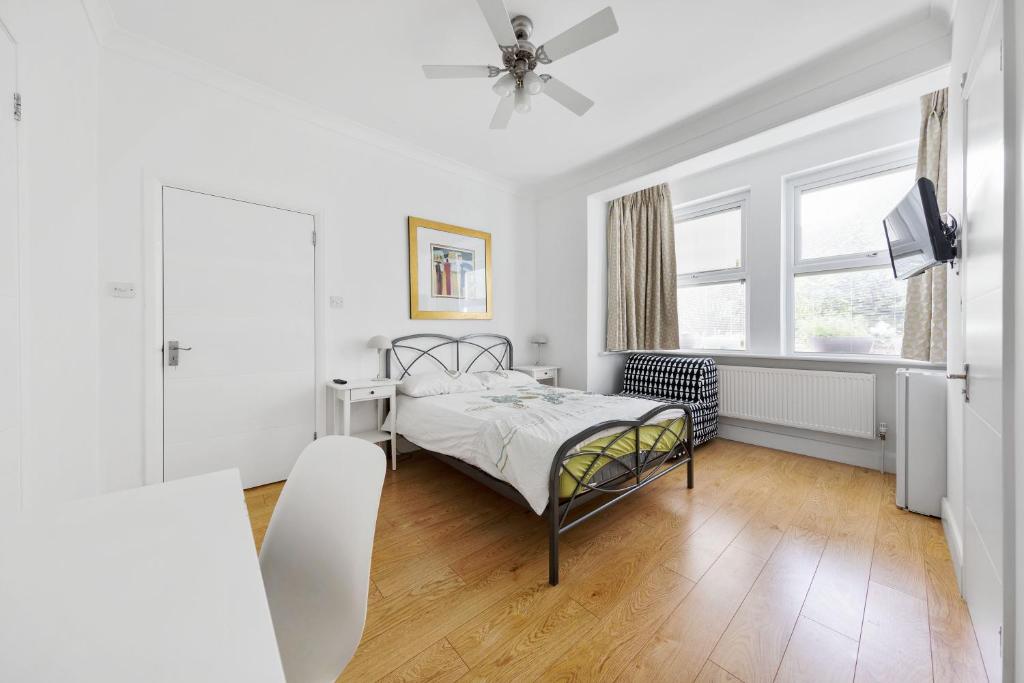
<point x="635" y="452"/>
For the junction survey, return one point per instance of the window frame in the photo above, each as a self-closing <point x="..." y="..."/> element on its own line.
<point x="860" y="167"/>
<point x="708" y="206"/>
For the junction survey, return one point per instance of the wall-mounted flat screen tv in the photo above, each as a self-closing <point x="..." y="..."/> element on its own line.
<point x="918" y="238"/>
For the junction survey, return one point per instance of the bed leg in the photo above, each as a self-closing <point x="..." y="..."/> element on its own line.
<point x="553" y="547"/>
<point x="689" y="473"/>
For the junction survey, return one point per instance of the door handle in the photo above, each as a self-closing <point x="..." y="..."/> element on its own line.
<point x="173" y="347"/>
<point x="966" y="377"/>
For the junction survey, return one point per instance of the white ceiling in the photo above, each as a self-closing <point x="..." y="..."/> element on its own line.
<point x="361" y="59"/>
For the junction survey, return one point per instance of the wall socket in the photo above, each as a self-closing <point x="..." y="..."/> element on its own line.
<point x="337" y="302"/>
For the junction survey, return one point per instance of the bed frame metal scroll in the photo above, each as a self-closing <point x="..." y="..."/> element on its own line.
<point x="633" y="471"/>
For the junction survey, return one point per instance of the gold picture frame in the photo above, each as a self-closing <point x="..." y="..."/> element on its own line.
<point x="445" y="278"/>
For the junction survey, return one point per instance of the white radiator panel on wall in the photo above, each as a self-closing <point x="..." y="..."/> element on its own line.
<point x="835" y="402"/>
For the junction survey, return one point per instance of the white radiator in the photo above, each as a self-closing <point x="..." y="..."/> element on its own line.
<point x="836" y="402"/>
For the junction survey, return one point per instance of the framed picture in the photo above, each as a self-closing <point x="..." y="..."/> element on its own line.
<point x="449" y="271"/>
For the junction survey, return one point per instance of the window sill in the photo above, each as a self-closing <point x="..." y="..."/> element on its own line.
<point x="814" y="357"/>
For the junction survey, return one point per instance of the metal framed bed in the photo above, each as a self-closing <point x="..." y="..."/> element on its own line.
<point x="634" y="469"/>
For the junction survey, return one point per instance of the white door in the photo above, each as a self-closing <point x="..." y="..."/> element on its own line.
<point x="983" y="344"/>
<point x="10" y="438"/>
<point x="238" y="299"/>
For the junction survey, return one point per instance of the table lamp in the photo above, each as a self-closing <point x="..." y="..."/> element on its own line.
<point x="540" y="340"/>
<point x="382" y="344"/>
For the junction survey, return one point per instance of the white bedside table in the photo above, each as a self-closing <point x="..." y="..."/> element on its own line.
<point x="541" y="372"/>
<point x="358" y="391"/>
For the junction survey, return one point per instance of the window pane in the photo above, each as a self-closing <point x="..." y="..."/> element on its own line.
<point x="859" y="311"/>
<point x="846" y="218"/>
<point x="709" y="242"/>
<point x="713" y="316"/>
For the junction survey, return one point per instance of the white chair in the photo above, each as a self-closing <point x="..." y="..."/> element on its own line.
<point x="316" y="555"/>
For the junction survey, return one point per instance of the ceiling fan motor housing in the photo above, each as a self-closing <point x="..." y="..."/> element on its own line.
<point x="522" y="26"/>
<point x="522" y="57"/>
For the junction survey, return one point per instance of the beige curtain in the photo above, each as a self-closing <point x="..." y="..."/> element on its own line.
<point x="642" y="272"/>
<point x="924" y="322"/>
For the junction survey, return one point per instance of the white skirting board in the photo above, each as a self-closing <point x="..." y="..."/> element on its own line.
<point x="953" y="540"/>
<point x="817" y="445"/>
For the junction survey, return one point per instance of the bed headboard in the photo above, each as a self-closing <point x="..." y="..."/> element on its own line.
<point x="433" y="352"/>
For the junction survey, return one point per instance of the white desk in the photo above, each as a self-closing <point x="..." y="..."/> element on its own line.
<point x="154" y="584"/>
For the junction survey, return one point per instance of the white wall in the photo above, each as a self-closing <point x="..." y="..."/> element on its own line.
<point x="159" y="124"/>
<point x="571" y="311"/>
<point x="571" y="218"/>
<point x="763" y="174"/>
<point x="57" y="74"/>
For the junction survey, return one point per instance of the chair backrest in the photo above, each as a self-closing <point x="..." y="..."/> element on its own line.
<point x="315" y="557"/>
<point x="674" y="378"/>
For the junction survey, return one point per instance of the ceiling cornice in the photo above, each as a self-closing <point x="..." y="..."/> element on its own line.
<point x="848" y="73"/>
<point x="111" y="36"/>
<point x="101" y="19"/>
<point x="943" y="10"/>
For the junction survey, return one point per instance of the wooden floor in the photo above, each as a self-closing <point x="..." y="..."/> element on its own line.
<point x="774" y="567"/>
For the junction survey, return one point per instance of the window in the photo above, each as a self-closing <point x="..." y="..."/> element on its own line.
<point x="712" y="295"/>
<point x="844" y="298"/>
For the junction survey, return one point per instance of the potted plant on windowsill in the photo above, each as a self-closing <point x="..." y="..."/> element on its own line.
<point x="841" y="335"/>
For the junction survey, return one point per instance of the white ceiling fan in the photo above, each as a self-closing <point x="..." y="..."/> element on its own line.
<point x="520" y="58"/>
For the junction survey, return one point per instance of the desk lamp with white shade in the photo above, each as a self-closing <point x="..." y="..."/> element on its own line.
<point x="382" y="344"/>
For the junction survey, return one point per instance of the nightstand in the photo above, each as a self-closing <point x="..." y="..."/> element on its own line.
<point x="541" y="372"/>
<point x="358" y="391"/>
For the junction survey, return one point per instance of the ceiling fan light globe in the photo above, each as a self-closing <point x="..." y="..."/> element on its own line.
<point x="533" y="83"/>
<point x="523" y="103"/>
<point x="504" y="86"/>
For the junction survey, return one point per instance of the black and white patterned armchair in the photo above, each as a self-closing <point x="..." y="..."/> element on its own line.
<point x="668" y="378"/>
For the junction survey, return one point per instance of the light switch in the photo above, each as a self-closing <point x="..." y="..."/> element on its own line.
<point x="121" y="290"/>
<point x="337" y="302"/>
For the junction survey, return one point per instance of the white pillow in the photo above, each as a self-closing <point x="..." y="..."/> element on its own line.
<point x="439" y="383"/>
<point x="504" y="379"/>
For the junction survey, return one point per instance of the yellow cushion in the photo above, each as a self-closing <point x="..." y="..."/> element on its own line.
<point x="652" y="437"/>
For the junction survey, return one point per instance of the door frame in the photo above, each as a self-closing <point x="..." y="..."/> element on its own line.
<point x="153" y="185"/>
<point x="22" y="239"/>
<point x="997" y="9"/>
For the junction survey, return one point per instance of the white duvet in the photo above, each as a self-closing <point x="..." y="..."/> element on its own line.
<point x="511" y="434"/>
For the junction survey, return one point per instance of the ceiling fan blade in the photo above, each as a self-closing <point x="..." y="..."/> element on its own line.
<point x="503" y="114"/>
<point x="498" y="20"/>
<point x="459" y="71"/>
<point x="567" y="97"/>
<point x="587" y="32"/>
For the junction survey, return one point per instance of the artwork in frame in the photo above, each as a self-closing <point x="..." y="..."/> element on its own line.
<point x="449" y="271"/>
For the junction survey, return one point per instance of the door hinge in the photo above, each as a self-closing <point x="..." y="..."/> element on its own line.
<point x="314" y="436"/>
<point x="17" y="106"/>
<point x="314" y="238"/>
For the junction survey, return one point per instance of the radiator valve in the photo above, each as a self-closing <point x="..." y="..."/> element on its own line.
<point x="883" y="429"/>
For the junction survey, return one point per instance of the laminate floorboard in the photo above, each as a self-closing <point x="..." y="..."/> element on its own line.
<point x="776" y="566"/>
